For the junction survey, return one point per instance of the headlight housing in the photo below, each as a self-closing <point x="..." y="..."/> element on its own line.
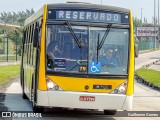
<point x="51" y="85"/>
<point x="120" y="89"/>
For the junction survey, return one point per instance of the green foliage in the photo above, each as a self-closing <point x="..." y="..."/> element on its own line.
<point x="1" y="31"/>
<point x="16" y="18"/>
<point x="150" y="75"/>
<point x="8" y="72"/>
<point x="15" y="36"/>
<point x="137" y="23"/>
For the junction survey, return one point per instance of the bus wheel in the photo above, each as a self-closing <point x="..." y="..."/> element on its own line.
<point x="24" y="96"/>
<point x="35" y="108"/>
<point x="38" y="109"/>
<point x="110" y="112"/>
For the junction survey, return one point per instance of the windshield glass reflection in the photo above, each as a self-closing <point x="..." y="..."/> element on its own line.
<point x="100" y="54"/>
<point x="63" y="52"/>
<point x="112" y="57"/>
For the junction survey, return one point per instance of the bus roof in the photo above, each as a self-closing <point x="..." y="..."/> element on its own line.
<point x="35" y="16"/>
<point x="80" y="5"/>
<point x="74" y="5"/>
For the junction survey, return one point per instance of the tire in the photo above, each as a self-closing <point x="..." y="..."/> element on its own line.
<point x="110" y="112"/>
<point x="37" y="109"/>
<point x="24" y="96"/>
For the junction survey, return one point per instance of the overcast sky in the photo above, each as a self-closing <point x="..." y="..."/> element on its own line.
<point x="134" y="5"/>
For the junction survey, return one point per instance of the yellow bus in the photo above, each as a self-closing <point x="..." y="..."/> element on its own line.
<point x="78" y="55"/>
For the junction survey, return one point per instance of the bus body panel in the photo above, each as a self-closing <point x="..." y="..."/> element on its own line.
<point x="79" y="84"/>
<point x="29" y="62"/>
<point x="130" y="89"/>
<point x="28" y="71"/>
<point x="72" y="100"/>
<point x="41" y="78"/>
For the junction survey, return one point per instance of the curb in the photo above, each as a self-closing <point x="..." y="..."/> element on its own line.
<point x="148" y="65"/>
<point x="145" y="82"/>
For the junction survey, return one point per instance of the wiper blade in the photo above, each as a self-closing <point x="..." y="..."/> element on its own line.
<point x="97" y="46"/>
<point x="104" y="37"/>
<point x="73" y="34"/>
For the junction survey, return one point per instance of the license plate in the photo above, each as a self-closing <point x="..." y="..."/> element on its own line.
<point x="87" y="98"/>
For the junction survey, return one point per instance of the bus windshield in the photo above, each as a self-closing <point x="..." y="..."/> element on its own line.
<point x="112" y="57"/>
<point x="64" y="54"/>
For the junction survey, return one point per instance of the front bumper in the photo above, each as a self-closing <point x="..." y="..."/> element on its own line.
<point x="71" y="100"/>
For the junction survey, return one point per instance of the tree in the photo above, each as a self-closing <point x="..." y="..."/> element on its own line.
<point x="16" y="18"/>
<point x="137" y="22"/>
<point x="16" y="35"/>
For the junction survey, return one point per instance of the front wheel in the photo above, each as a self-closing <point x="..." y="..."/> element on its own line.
<point x="24" y="96"/>
<point x="37" y="109"/>
<point x="110" y="112"/>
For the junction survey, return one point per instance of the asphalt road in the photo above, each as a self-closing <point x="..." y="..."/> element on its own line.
<point x="145" y="99"/>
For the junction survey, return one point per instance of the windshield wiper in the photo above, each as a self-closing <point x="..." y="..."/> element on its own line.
<point x="78" y="63"/>
<point x="73" y="34"/>
<point x="104" y="37"/>
<point x="99" y="45"/>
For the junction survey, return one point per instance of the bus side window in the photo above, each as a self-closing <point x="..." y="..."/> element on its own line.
<point x="30" y="44"/>
<point x="27" y="47"/>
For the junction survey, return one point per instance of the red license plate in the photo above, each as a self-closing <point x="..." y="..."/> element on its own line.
<point x="87" y="98"/>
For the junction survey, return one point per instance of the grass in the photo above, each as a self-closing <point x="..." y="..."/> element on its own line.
<point x="149" y="75"/>
<point x="7" y="72"/>
<point x="10" y="58"/>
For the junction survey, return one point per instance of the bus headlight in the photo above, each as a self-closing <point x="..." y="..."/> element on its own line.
<point x="51" y="85"/>
<point x="120" y="89"/>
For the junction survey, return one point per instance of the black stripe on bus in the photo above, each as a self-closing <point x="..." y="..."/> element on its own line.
<point x="78" y="75"/>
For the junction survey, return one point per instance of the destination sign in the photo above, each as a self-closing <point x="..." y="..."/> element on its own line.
<point x="93" y="16"/>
